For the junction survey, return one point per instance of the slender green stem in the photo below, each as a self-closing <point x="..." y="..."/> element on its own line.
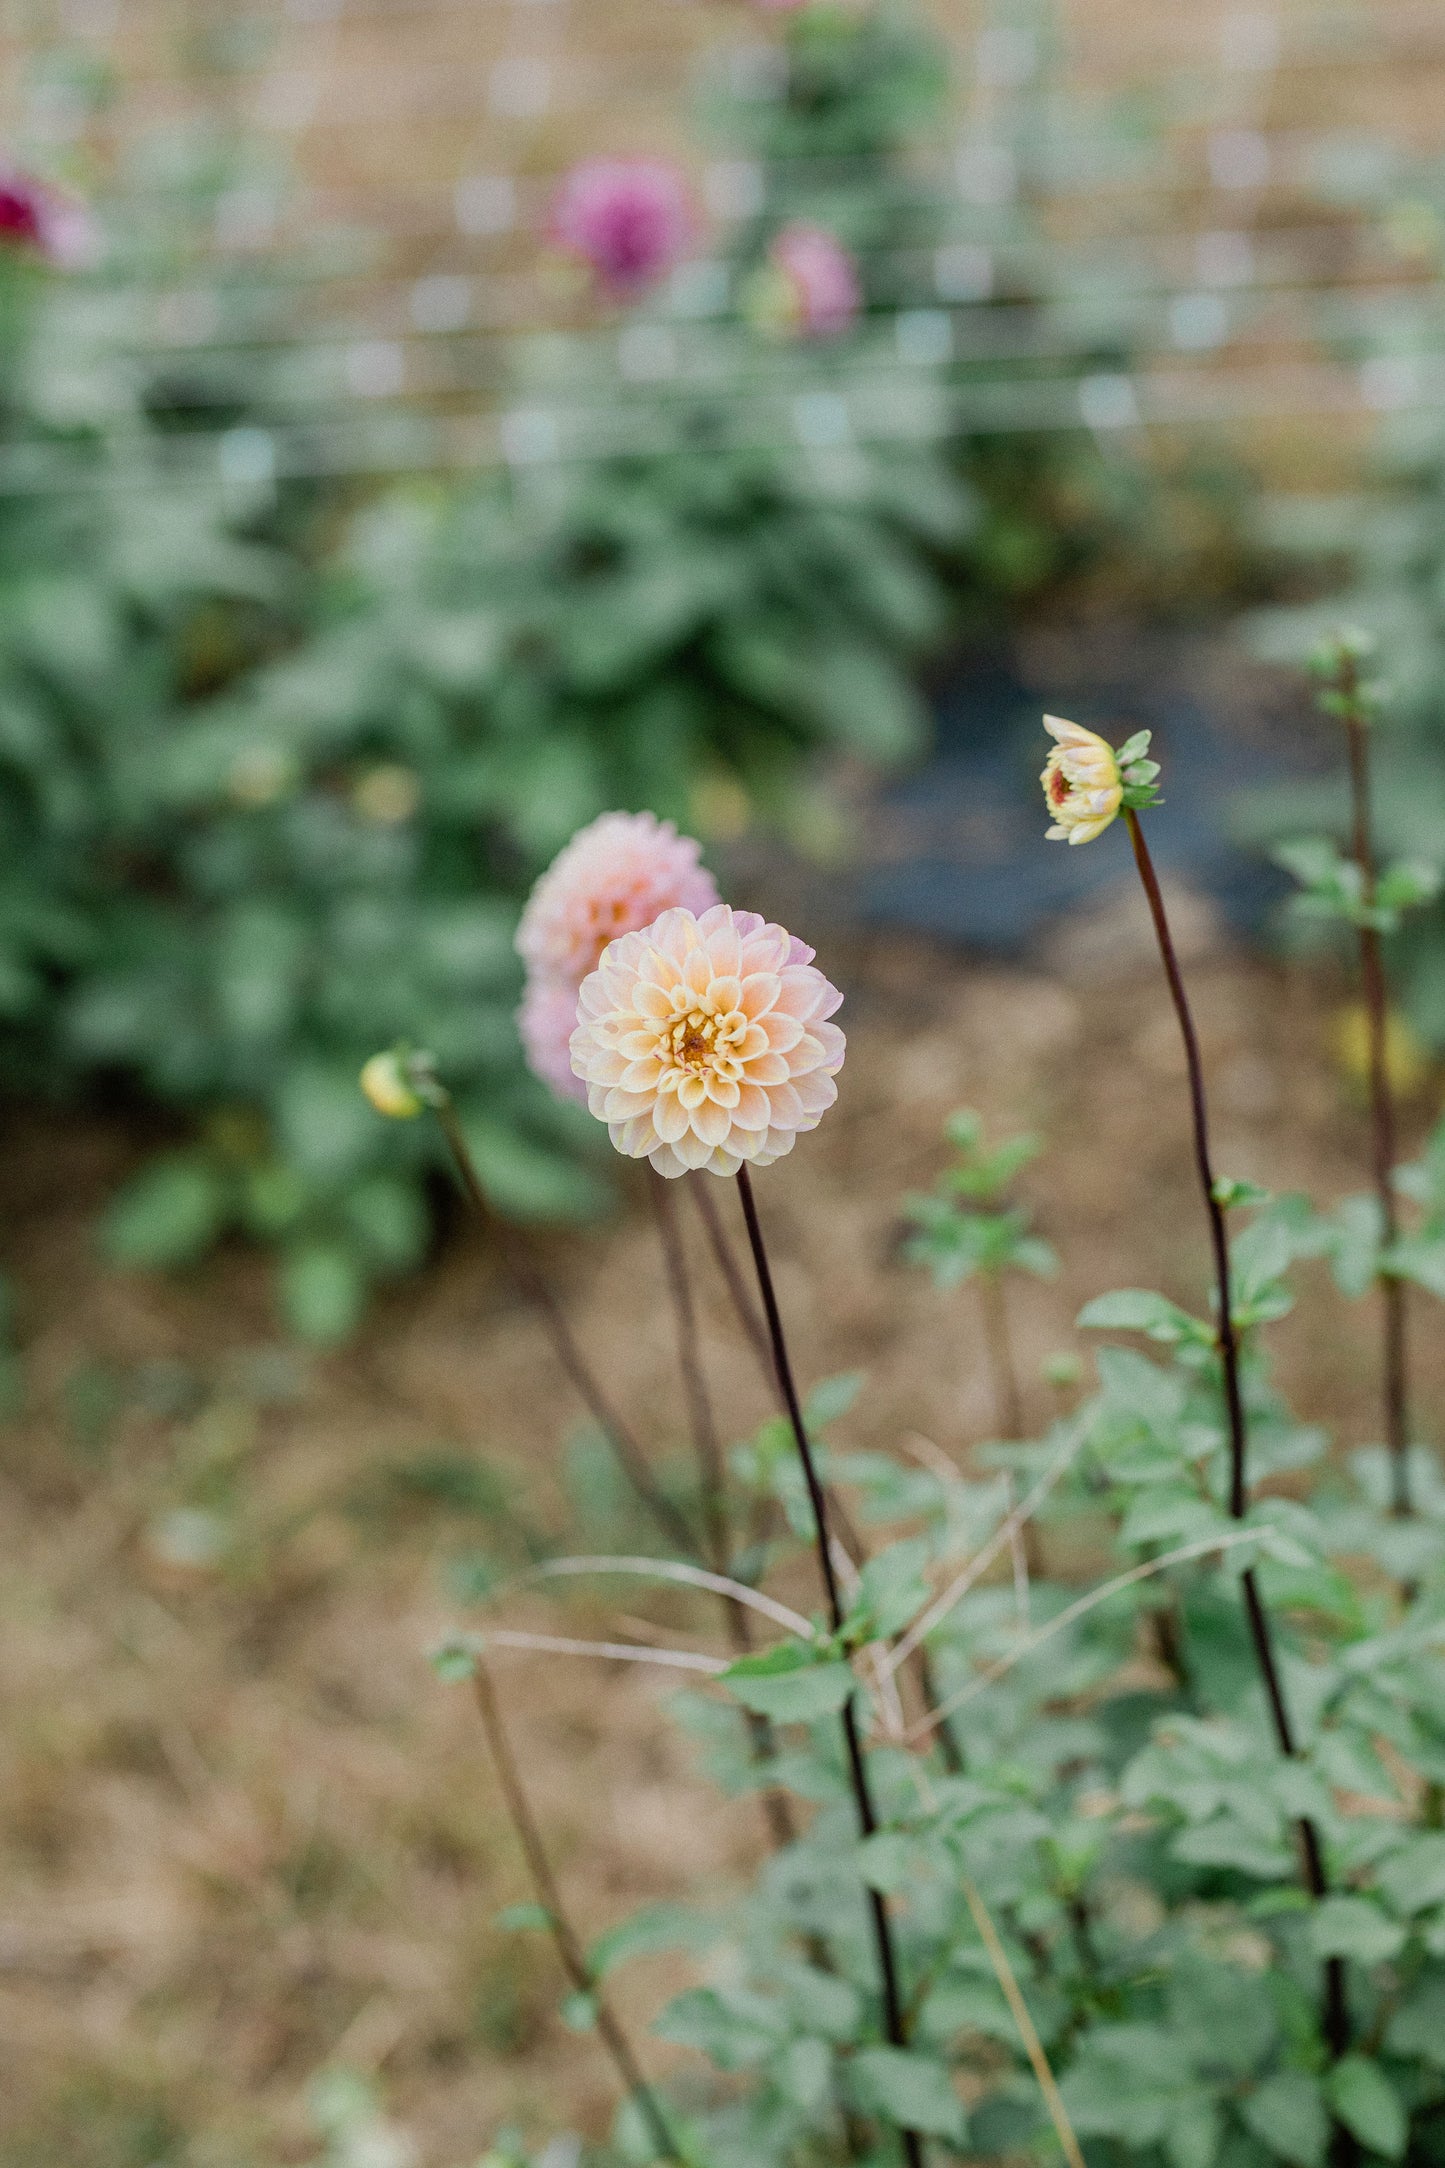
<point x="1336" y="2014"/>
<point x="532" y="1283"/>
<point x="857" y="1768"/>
<point x="1394" y="1374"/>
<point x="569" y="1946"/>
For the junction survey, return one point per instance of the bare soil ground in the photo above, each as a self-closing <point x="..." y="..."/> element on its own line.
<point x="244" y="1832"/>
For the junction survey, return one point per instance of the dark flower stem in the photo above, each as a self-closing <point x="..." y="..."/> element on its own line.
<point x="753" y="1327"/>
<point x="569" y="1947"/>
<point x="712" y="1486"/>
<point x="998" y="1343"/>
<point x="1336" y="2013"/>
<point x="1395" y="1361"/>
<point x="713" y="1480"/>
<point x="857" y="1769"/>
<point x="533" y="1284"/>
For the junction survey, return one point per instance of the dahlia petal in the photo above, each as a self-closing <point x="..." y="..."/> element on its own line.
<point x="782" y="1031"/>
<point x="623" y="1106"/>
<point x="711" y="1122"/>
<point x="669" y="1117"/>
<point x="691" y="1092"/>
<point x="760" y="991"/>
<point x="832" y="1041"/>
<point x="769" y="1068"/>
<point x="816" y="1093"/>
<point x="752" y="1110"/>
<point x="691" y="1149"/>
<point x="784" y="1106"/>
<point x="664" y="1158"/>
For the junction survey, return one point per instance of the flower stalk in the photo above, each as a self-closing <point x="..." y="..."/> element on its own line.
<point x="1336" y="2014"/>
<point x="1351" y="702"/>
<point x="712" y="1482"/>
<point x="857" y="1768"/>
<point x="568" y="1944"/>
<point x="400" y="1085"/>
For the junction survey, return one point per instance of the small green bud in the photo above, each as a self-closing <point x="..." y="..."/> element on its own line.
<point x="456" y="1659"/>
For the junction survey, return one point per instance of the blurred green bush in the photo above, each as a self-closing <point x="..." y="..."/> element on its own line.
<point x="268" y="805"/>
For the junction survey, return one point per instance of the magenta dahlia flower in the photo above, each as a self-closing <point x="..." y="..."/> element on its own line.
<point x="628" y="218"/>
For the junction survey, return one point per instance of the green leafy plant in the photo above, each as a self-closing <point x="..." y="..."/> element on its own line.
<point x="1151" y="1867"/>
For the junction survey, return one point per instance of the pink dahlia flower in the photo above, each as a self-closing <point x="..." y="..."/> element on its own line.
<point x="705" y="1041"/>
<point x="41" y="220"/>
<point x="812" y="283"/>
<point x="546" y="1022"/>
<point x="629" y="218"/>
<point x="617" y="874"/>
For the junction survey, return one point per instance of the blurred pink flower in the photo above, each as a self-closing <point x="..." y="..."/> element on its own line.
<point x="615" y="875"/>
<point x="705" y="1042"/>
<point x="38" y="218"/>
<point x="809" y="288"/>
<point x="546" y="1021"/>
<point x="629" y="218"/>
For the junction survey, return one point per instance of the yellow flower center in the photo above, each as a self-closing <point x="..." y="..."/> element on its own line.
<point x="699" y="1042"/>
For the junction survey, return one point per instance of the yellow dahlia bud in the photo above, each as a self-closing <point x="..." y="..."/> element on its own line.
<point x="385" y="1083"/>
<point x="1082" y="783"/>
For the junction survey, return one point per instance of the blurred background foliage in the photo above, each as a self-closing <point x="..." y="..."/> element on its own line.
<point x="284" y="743"/>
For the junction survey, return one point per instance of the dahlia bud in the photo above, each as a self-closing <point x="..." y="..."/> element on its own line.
<point x="1087" y="784"/>
<point x="390" y="1084"/>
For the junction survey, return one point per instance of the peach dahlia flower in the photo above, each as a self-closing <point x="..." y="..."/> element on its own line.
<point x="705" y="1041"/>
<point x="1081" y="782"/>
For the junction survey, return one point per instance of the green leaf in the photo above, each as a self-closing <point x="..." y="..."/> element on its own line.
<point x="323" y="1292"/>
<point x="894" y="1588"/>
<point x="1413" y="1878"/>
<point x="734" y="2027"/>
<point x="790" y="1683"/>
<point x="524" y="1919"/>
<point x="1367" y="2104"/>
<point x="1287" y="2112"/>
<point x="911" y="2090"/>
<point x="831" y="1398"/>
<point x="656" y="1927"/>
<point x="1139" y="1309"/>
<point x="168" y="1215"/>
<point x="578" y="2010"/>
<point x="1418" y="2026"/>
<point x="1421" y="1260"/>
<point x="804" y="2073"/>
<point x="1354" y="1927"/>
